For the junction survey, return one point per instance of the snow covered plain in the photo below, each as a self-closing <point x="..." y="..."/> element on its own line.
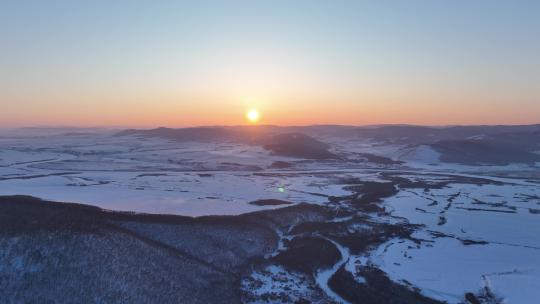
<point x="472" y="237"/>
<point x="152" y="175"/>
<point x="468" y="237"/>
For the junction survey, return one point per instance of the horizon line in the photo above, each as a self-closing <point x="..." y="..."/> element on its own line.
<point x="263" y="125"/>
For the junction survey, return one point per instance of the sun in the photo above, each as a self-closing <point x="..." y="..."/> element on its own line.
<point x="253" y="115"/>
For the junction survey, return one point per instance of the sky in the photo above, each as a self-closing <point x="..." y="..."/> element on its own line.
<point x="190" y="63"/>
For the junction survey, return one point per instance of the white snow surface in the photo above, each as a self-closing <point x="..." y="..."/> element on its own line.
<point x="195" y="179"/>
<point x="153" y="175"/>
<point x="445" y="268"/>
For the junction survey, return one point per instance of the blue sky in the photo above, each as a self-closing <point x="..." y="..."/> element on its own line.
<point x="357" y="61"/>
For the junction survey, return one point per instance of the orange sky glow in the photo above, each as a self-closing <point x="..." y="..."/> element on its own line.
<point x="179" y="64"/>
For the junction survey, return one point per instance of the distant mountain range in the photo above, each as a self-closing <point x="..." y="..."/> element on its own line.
<point x="471" y="145"/>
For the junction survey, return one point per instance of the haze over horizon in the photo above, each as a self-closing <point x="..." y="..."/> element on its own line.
<point x="248" y="125"/>
<point x="172" y="64"/>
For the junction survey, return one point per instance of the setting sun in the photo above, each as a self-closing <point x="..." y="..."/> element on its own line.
<point x="253" y="115"/>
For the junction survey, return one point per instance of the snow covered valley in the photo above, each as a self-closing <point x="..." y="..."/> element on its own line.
<point x="360" y="221"/>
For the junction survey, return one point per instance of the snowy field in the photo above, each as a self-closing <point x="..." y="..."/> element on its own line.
<point x="473" y="237"/>
<point x="469" y="237"/>
<point x="155" y="175"/>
